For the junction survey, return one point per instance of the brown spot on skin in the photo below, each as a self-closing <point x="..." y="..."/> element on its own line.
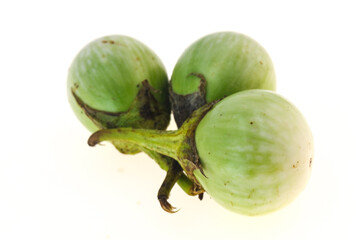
<point x="137" y="59"/>
<point x="104" y="41"/>
<point x="310" y="162"/>
<point x="111" y="42"/>
<point x="261" y="62"/>
<point x="296" y="164"/>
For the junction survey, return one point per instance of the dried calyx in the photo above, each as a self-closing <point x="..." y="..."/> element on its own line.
<point x="144" y="112"/>
<point x="179" y="145"/>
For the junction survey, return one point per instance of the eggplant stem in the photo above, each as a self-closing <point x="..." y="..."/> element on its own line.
<point x="179" y="145"/>
<point x="163" y="142"/>
<point x="188" y="186"/>
<point x="172" y="175"/>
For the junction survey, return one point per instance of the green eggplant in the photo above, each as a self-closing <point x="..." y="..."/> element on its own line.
<point x="252" y="151"/>
<point x="216" y="66"/>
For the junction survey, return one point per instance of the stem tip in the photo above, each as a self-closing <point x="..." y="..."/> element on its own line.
<point x="94" y="139"/>
<point x="167" y="206"/>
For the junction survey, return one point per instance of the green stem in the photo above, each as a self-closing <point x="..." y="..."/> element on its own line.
<point x="171" y="178"/>
<point x="179" y="145"/>
<point x="162" y="160"/>
<point x="184" y="182"/>
<point x="163" y="142"/>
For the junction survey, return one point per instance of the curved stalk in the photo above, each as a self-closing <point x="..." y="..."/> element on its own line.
<point x="188" y="186"/>
<point x="179" y="144"/>
<point x="171" y="178"/>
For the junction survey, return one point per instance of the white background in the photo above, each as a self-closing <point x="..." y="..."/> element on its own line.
<point x="53" y="186"/>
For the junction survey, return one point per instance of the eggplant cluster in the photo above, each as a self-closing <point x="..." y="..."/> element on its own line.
<point x="246" y="146"/>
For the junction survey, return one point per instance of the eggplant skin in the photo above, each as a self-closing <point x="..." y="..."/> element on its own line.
<point x="256" y="150"/>
<point x="229" y="61"/>
<point x="107" y="74"/>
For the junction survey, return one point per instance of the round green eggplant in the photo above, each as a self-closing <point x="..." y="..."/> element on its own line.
<point x="215" y="66"/>
<point x="256" y="150"/>
<point x="117" y="81"/>
<point x="252" y="151"/>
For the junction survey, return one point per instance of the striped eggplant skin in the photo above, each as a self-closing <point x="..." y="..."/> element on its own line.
<point x="256" y="150"/>
<point x="106" y="75"/>
<point x="229" y="61"/>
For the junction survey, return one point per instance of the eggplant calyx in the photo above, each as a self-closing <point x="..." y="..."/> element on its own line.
<point x="187" y="154"/>
<point x="144" y="112"/>
<point x="184" y="105"/>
